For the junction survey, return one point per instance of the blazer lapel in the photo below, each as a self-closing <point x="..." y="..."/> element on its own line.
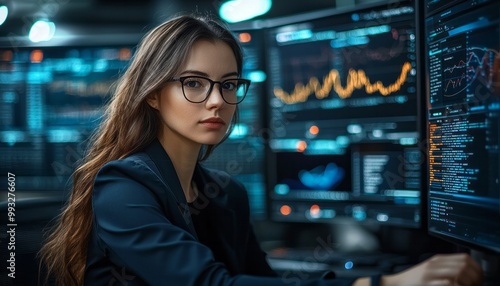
<point x="167" y="171"/>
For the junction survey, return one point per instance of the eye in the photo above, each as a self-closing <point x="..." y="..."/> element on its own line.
<point x="193" y="83"/>
<point x="229" y="85"/>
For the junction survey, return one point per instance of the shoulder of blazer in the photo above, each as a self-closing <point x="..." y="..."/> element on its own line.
<point x="140" y="167"/>
<point x="143" y="158"/>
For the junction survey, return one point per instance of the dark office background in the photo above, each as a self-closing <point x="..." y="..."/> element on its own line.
<point x="123" y="22"/>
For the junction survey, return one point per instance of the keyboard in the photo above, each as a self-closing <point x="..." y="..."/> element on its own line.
<point x="318" y="260"/>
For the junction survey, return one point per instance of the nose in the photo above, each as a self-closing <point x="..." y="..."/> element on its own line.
<point x="215" y="97"/>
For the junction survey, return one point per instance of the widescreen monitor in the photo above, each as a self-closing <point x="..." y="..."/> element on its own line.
<point x="343" y="114"/>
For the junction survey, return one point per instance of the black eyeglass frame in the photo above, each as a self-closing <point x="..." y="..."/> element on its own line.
<point x="212" y="83"/>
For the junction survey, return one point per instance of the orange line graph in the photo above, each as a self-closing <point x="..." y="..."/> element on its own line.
<point x="355" y="80"/>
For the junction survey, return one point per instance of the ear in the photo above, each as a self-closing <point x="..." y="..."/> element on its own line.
<point x="153" y="100"/>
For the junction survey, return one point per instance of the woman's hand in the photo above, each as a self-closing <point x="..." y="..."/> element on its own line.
<point x="439" y="270"/>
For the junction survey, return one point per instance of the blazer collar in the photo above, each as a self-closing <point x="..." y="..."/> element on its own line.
<point x="164" y="164"/>
<point x="169" y="176"/>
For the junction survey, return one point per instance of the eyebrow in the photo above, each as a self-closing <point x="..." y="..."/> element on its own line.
<point x="200" y="73"/>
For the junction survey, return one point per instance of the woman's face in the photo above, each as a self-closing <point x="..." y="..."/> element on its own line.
<point x="208" y="121"/>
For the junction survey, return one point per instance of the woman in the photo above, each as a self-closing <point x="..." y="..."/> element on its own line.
<point x="144" y="212"/>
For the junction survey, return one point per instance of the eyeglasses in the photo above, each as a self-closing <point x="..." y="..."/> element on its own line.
<point x="197" y="89"/>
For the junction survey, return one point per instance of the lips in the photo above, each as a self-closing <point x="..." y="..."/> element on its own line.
<point x="214" y="120"/>
<point x="213" y="123"/>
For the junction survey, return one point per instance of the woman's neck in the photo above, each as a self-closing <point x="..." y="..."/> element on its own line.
<point x="184" y="157"/>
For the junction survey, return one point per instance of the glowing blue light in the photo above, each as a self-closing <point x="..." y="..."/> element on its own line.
<point x="339" y="43"/>
<point x="328" y="213"/>
<point x="284" y="144"/>
<point x="294" y="36"/>
<point x="408" y="141"/>
<point x="356" y="41"/>
<point x="494" y="106"/>
<point x="358" y="213"/>
<point x="42" y="30"/>
<point x="35" y="77"/>
<point x="324" y="145"/>
<point x="239" y="131"/>
<point x="257" y="76"/>
<point x="324" y="35"/>
<point x="63" y="136"/>
<point x="281" y="189"/>
<point x="382" y="217"/>
<point x="322" y="177"/>
<point x="348" y="265"/>
<point x="240" y="10"/>
<point x="343" y="141"/>
<point x="354" y="128"/>
<point x="401" y="99"/>
<point x="377" y="133"/>
<point x="80" y="68"/>
<point x="101" y="65"/>
<point x="4" y="12"/>
<point x="12" y="137"/>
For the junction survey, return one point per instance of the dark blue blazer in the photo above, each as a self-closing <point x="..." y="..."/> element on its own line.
<point x="143" y="232"/>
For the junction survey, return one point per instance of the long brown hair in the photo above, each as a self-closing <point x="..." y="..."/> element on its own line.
<point x="129" y="124"/>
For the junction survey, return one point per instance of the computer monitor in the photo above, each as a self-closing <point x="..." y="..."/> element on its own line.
<point x="51" y="100"/>
<point x="344" y="127"/>
<point x="463" y="95"/>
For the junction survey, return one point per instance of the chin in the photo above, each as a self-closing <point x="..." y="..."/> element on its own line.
<point x="211" y="141"/>
<point x="210" y="138"/>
